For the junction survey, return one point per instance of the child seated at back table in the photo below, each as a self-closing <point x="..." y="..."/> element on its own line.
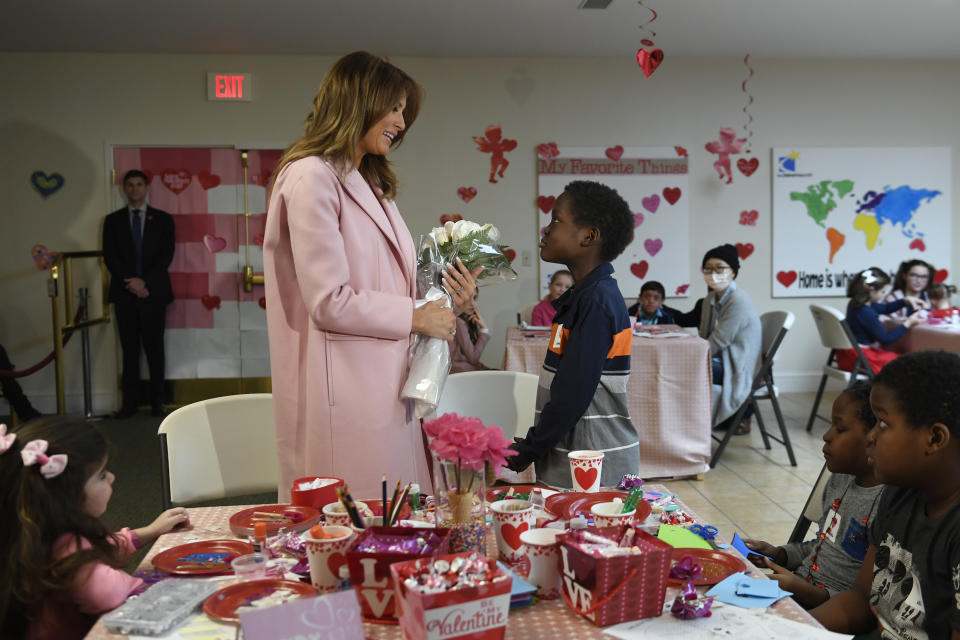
<point x="822" y="567"/>
<point x="470" y="340"/>
<point x="61" y="565"/>
<point x="543" y="313"/>
<point x="649" y="308"/>
<point x="582" y="393"/>
<point x="909" y="584"/>
<point x="939" y="295"/>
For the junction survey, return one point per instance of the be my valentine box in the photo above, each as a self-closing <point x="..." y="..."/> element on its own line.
<point x="618" y="588"/>
<point x="462" y="595"/>
<point x="369" y="559"/>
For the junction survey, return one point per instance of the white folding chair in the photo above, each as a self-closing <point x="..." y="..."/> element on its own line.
<point x="774" y="326"/>
<point x="813" y="509"/>
<point x="507" y="399"/>
<point x="525" y="314"/>
<point x="835" y="334"/>
<point x="219" y="448"/>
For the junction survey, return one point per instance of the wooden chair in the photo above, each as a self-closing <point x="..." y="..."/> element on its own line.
<point x="774" y="327"/>
<point x="219" y="448"/>
<point x="835" y="334"/>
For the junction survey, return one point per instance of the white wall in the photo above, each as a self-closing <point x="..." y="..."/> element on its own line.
<point x="59" y="111"/>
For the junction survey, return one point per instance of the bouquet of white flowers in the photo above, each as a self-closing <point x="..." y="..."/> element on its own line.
<point x="475" y="245"/>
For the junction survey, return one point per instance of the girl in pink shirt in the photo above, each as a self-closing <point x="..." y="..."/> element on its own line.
<point x="559" y="283"/>
<point x="60" y="564"/>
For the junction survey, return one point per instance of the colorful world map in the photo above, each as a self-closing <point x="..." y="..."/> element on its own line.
<point x="893" y="206"/>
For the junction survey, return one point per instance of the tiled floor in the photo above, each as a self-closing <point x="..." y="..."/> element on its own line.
<point x="754" y="491"/>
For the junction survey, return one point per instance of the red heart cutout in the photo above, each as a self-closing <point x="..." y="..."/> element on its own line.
<point x="210" y="302"/>
<point x="747" y="167"/>
<point x="258" y="239"/>
<point x="214" y="244"/>
<point x="467" y="193"/>
<point x="546" y="203"/>
<point x="586" y="477"/>
<point x="208" y="180"/>
<point x="335" y="561"/>
<point x="548" y="150"/>
<point x="511" y="534"/>
<point x="682" y="289"/>
<point x="786" y="278"/>
<point x="940" y="275"/>
<point x="639" y="269"/>
<point x="671" y="194"/>
<point x="450" y="217"/>
<point x="649" y="60"/>
<point x="177" y="180"/>
<point x="749" y="218"/>
<point x="614" y="153"/>
<point x="511" y="254"/>
<point x="681" y="151"/>
<point x="262" y="302"/>
<point x="918" y="245"/>
<point x="744" y="250"/>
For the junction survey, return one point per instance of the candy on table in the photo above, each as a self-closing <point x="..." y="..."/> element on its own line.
<point x="434" y="576"/>
<point x="677" y="516"/>
<point x="418" y="542"/>
<point x="629" y="481"/>
<point x="688" y="604"/>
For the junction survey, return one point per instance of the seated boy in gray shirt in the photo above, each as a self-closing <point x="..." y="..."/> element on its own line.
<point x="820" y="568"/>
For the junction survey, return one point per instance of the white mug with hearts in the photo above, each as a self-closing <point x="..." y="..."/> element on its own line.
<point x="510" y="519"/>
<point x="585" y="467"/>
<point x="327" y="555"/>
<point x="542" y="568"/>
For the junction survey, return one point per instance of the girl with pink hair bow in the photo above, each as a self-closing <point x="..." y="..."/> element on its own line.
<point x="60" y="562"/>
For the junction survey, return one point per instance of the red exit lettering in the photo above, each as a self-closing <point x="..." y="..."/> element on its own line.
<point x="229" y="87"/>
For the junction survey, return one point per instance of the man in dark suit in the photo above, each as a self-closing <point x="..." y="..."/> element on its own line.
<point x="138" y="248"/>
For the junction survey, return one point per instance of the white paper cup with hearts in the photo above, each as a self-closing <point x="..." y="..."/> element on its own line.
<point x="510" y="519"/>
<point x="336" y="513"/>
<point x="585" y="467"/>
<point x="327" y="555"/>
<point x="610" y="514"/>
<point x="542" y="566"/>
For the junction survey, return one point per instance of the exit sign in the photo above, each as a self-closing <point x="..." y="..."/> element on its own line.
<point x="229" y="87"/>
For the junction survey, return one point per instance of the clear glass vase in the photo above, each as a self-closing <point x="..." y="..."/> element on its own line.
<point x="461" y="504"/>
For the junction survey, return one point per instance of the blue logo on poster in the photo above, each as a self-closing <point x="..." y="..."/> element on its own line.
<point x="788" y="163"/>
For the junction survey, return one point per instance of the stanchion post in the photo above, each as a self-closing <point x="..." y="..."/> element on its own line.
<point x="85" y="353"/>
<point x="54" y="293"/>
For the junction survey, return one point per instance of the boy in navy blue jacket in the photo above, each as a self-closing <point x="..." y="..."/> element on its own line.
<point x="582" y="399"/>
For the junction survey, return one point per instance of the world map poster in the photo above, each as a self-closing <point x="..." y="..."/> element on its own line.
<point x="837" y="211"/>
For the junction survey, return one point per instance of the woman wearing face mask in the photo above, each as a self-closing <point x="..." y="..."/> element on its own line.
<point x="727" y="319"/>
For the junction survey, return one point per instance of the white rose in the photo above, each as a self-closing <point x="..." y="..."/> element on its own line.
<point x="464" y="228"/>
<point x="448" y="227"/>
<point x="456" y="231"/>
<point x="440" y="235"/>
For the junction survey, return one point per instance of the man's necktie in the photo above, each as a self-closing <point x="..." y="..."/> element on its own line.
<point x="135" y="229"/>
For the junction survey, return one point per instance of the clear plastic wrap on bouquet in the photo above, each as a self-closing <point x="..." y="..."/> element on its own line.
<point x="475" y="245"/>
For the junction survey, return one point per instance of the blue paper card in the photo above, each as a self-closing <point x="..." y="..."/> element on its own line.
<point x="740" y="546"/>
<point x="726" y="591"/>
<point x="758" y="588"/>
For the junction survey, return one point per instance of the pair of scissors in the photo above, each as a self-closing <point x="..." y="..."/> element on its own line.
<point x="707" y="532"/>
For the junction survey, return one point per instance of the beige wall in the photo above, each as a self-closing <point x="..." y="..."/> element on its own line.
<point x="59" y="112"/>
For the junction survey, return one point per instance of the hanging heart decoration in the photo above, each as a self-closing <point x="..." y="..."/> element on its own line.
<point x="44" y="184"/>
<point x="649" y="60"/>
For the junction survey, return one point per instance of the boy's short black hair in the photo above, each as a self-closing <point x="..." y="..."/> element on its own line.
<point x="653" y="285"/>
<point x="134" y="173"/>
<point x="859" y="392"/>
<point x="927" y="387"/>
<point x="597" y="205"/>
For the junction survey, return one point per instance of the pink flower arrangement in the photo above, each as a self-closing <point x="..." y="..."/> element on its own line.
<point x="468" y="442"/>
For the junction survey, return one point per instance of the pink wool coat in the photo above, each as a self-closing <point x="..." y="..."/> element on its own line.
<point x="339" y="278"/>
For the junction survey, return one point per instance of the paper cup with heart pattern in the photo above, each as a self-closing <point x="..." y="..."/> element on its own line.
<point x="585" y="467"/>
<point x="327" y="555"/>
<point x="610" y="514"/>
<point x="336" y="513"/>
<point x="510" y="519"/>
<point x="542" y="568"/>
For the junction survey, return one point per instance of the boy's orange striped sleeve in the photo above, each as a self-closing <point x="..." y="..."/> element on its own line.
<point x="621" y="344"/>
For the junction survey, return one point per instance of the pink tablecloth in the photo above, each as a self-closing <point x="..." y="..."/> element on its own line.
<point x="927" y="336"/>
<point x="668" y="395"/>
<point x="547" y="619"/>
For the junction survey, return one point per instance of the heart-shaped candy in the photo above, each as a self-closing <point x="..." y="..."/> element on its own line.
<point x="649" y="60"/>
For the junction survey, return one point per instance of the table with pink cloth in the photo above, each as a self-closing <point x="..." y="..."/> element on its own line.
<point x="668" y="395"/>
<point x="926" y="336"/>
<point x="546" y="619"/>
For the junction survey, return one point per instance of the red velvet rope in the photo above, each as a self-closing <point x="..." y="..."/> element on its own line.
<point x="47" y="360"/>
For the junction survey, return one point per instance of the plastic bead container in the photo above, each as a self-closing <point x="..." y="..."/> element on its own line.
<point x="161" y="607"/>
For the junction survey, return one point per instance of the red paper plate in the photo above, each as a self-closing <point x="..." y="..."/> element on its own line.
<point x="169" y="560"/>
<point x="494" y="494"/>
<point x="717" y="565"/>
<point x="223" y="604"/>
<point x="377" y="507"/>
<point x="241" y="523"/>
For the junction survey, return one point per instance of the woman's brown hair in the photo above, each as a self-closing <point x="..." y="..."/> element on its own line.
<point x="357" y="92"/>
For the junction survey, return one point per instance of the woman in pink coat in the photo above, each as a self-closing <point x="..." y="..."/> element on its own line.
<point x="340" y="286"/>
